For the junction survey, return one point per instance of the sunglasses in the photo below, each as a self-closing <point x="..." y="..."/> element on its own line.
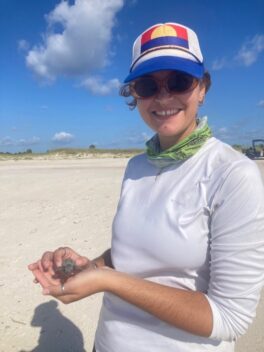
<point x="175" y="83"/>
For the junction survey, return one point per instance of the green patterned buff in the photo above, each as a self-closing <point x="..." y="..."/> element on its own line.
<point x="180" y="151"/>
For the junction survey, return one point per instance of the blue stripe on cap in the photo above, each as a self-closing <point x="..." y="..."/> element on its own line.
<point x="161" y="41"/>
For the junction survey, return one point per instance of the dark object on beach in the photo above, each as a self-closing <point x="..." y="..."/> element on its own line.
<point x="68" y="269"/>
<point x="254" y="152"/>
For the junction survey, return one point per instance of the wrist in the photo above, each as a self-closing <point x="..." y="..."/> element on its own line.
<point x="105" y="278"/>
<point x="93" y="265"/>
<point x="104" y="260"/>
<point x="97" y="263"/>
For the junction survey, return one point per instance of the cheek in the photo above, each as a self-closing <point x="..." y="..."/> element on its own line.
<point x="192" y="103"/>
<point x="194" y="106"/>
<point x="143" y="107"/>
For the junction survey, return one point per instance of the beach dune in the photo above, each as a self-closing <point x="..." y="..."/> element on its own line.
<point x="50" y="203"/>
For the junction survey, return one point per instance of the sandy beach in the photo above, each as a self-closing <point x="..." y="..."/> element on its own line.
<point x="46" y="204"/>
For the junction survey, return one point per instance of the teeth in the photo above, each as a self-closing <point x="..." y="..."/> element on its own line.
<point x="167" y="112"/>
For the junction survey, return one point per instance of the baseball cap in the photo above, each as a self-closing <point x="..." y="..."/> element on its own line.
<point x="166" y="46"/>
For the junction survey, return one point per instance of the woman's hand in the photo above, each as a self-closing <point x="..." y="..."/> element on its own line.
<point x="52" y="261"/>
<point x="51" y="264"/>
<point x="83" y="284"/>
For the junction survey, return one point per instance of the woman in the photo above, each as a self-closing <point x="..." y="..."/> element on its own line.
<point x="186" y="265"/>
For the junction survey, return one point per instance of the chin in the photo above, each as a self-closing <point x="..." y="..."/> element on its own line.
<point x="169" y="132"/>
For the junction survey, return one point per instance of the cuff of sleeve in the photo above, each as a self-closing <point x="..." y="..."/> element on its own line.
<point x="220" y="331"/>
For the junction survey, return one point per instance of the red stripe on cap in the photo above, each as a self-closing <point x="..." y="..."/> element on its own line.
<point x="147" y="35"/>
<point x="181" y="32"/>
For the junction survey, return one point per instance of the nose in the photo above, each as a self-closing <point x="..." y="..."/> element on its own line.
<point x="163" y="94"/>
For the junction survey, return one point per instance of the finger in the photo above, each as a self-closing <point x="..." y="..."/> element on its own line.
<point x="64" y="253"/>
<point x="45" y="279"/>
<point x="47" y="260"/>
<point x="40" y="265"/>
<point x="57" y="291"/>
<point x="82" y="261"/>
<point x="41" y="278"/>
<point x="60" y="293"/>
<point x="60" y="254"/>
<point x="33" y="266"/>
<point x="36" y="266"/>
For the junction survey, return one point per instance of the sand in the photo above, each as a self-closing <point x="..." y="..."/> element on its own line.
<point x="46" y="204"/>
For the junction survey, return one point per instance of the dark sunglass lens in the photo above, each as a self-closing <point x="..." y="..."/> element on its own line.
<point x="180" y="82"/>
<point x="145" y="87"/>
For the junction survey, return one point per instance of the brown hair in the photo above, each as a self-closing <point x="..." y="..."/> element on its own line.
<point x="125" y="90"/>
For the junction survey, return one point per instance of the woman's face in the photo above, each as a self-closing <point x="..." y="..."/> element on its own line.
<point x="172" y="116"/>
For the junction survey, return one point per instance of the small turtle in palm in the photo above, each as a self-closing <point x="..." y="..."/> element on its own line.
<point x="67" y="269"/>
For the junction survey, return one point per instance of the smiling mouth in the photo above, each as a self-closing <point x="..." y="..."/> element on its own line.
<point x="166" y="113"/>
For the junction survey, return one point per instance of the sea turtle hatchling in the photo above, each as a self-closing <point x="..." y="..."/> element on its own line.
<point x="67" y="269"/>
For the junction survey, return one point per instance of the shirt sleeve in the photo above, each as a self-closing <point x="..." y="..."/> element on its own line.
<point x="237" y="251"/>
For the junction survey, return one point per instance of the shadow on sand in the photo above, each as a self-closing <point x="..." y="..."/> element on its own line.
<point x="58" y="334"/>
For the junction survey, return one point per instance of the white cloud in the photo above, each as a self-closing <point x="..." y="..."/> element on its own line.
<point x="223" y="133"/>
<point x="249" y="53"/>
<point x="132" y="139"/>
<point x="6" y="141"/>
<point x="22" y="141"/>
<point x="140" y="138"/>
<point x="241" y="132"/>
<point x="82" y="45"/>
<point x="250" y="50"/>
<point x="62" y="137"/>
<point x="261" y="103"/>
<point x="98" y="87"/>
<point x="23" y="45"/>
<point x="27" y="142"/>
<point x="218" y="64"/>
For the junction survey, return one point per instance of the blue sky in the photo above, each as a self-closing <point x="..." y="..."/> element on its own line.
<point x="62" y="62"/>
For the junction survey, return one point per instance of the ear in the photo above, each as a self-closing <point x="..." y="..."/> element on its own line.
<point x="202" y="93"/>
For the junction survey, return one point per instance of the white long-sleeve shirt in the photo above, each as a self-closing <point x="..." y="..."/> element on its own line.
<point x="196" y="225"/>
